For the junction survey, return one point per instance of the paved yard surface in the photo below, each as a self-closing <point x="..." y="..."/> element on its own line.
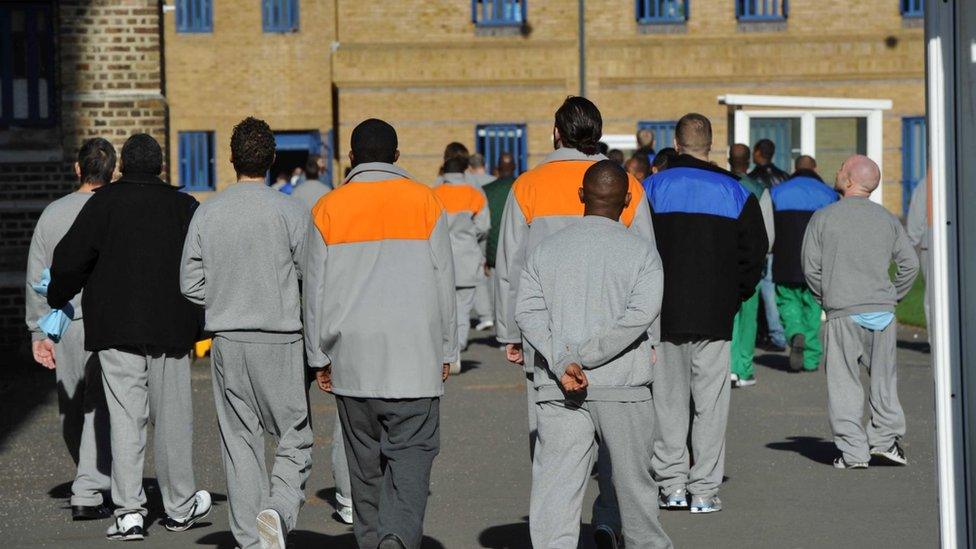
<point x="781" y="491"/>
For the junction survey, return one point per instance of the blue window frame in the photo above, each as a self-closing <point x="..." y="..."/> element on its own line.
<point x="279" y="15"/>
<point x="26" y="64"/>
<point x="912" y="8"/>
<point x="663" y="132"/>
<point x="498" y="13"/>
<point x="196" y="153"/>
<point x="762" y="10"/>
<point x="194" y="16"/>
<point x="492" y="140"/>
<point x="662" y="11"/>
<point x="913" y="159"/>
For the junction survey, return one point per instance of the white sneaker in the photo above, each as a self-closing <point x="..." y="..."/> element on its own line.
<point x="485" y="324"/>
<point x="270" y="530"/>
<point x="344" y="512"/>
<point x="455" y="368"/>
<point x="202" y="503"/>
<point x="127" y="527"/>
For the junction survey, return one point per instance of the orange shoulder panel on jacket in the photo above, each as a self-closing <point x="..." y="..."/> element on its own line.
<point x="552" y="189"/>
<point x="459" y="198"/>
<point x="397" y="209"/>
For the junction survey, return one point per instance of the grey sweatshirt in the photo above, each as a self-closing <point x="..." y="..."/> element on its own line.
<point x="469" y="222"/>
<point x="242" y="260"/>
<point x="847" y="249"/>
<point x="310" y="192"/>
<point x="918" y="226"/>
<point x="54" y="222"/>
<point x="589" y="295"/>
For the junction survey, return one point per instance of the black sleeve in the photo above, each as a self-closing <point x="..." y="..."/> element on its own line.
<point x="75" y="256"/>
<point x="753" y="245"/>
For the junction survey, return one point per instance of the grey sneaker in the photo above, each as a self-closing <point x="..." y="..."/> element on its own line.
<point x="702" y="504"/>
<point x="894" y="455"/>
<point x="202" y="503"/>
<point x="841" y="463"/>
<point x="798" y="344"/>
<point x="127" y="527"/>
<point x="675" y="499"/>
<point x="270" y="530"/>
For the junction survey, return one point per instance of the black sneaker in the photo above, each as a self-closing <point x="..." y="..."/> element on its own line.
<point x="90" y="512"/>
<point x="126" y="527"/>
<point x="604" y="537"/>
<point x="391" y="541"/>
<point x="797" y="345"/>
<point x="201" y="508"/>
<point x="893" y="455"/>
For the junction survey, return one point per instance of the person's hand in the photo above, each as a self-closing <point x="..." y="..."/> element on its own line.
<point x="445" y="372"/>
<point x="323" y="377"/>
<point x="513" y="352"/>
<point x="487" y="270"/>
<point x="44" y="353"/>
<point x="574" y="380"/>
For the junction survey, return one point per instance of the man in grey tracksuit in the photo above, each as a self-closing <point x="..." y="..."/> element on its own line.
<point x="847" y="250"/>
<point x="381" y="330"/>
<point x="587" y="299"/>
<point x="469" y="222"/>
<point x="81" y="400"/>
<point x="919" y="228"/>
<point x="243" y="261"/>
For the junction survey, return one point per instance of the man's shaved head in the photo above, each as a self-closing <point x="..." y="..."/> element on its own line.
<point x="693" y="135"/>
<point x="739" y="157"/>
<point x="605" y="190"/>
<point x="506" y="165"/>
<point x="805" y="162"/>
<point x="858" y="176"/>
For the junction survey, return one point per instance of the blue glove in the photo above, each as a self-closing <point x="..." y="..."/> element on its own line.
<point x="41" y="285"/>
<point x="56" y="322"/>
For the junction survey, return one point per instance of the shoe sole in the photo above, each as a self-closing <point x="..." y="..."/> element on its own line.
<point x="130" y="537"/>
<point x="673" y="506"/>
<point x="887" y="458"/>
<point x="797" y="346"/>
<point x="270" y="530"/>
<point x="342" y="519"/>
<point x="189" y="522"/>
<point x="855" y="466"/>
<point x="704" y="510"/>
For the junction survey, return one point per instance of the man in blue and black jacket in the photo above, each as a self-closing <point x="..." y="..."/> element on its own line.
<point x="712" y="241"/>
<point x="794" y="203"/>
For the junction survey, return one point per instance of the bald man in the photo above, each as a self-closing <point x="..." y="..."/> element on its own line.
<point x="586" y="302"/>
<point x="847" y="249"/>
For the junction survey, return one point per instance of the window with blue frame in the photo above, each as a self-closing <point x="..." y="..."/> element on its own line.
<point x="196" y="154"/>
<point x="663" y="131"/>
<point x="491" y="140"/>
<point x="912" y="8"/>
<point x="279" y="15"/>
<point x="194" y="16"/>
<point x="913" y="161"/>
<point x="662" y="11"/>
<point x="498" y="13"/>
<point x="26" y="64"/>
<point x="762" y="10"/>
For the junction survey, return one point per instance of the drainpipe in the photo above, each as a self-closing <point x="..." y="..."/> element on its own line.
<point x="582" y="48"/>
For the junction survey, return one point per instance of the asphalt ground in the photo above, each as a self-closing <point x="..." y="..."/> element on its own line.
<point x="780" y="490"/>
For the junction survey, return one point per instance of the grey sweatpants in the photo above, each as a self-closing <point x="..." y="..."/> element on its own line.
<point x="569" y="435"/>
<point x="340" y="466"/>
<point x="691" y="372"/>
<point x="465" y="302"/>
<point x="848" y="347"/>
<point x="143" y="385"/>
<point x="925" y="261"/>
<point x="391" y="445"/>
<point x="484" y="299"/>
<point x="260" y="388"/>
<point x="84" y="416"/>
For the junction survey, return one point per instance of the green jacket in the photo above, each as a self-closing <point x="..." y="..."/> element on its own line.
<point x="497" y="192"/>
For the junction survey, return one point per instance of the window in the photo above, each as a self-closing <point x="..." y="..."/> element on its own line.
<point x="663" y="132"/>
<point x="194" y="16"/>
<point x="913" y="161"/>
<point x="662" y="11"/>
<point x="196" y="152"/>
<point x="494" y="139"/>
<point x="26" y="64"/>
<point x="279" y="15"/>
<point x="786" y="135"/>
<point x="761" y="10"/>
<point x="498" y="13"/>
<point x="912" y="8"/>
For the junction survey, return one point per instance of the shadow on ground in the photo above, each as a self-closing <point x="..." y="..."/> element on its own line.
<point x="813" y="448"/>
<point x="24" y="386"/>
<point x="301" y="539"/>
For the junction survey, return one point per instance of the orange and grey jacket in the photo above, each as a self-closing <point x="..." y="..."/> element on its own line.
<point x="544" y="200"/>
<point x="469" y="222"/>
<point x="379" y="286"/>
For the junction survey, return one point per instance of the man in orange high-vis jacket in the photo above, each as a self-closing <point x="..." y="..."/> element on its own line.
<point x="543" y="201"/>
<point x="469" y="221"/>
<point x="381" y="329"/>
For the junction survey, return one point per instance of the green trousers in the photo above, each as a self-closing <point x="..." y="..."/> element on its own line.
<point x="800" y="313"/>
<point x="744" y="337"/>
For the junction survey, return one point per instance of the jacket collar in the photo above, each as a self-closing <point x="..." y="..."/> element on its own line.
<point x="454" y="179"/>
<point x="807" y="173"/>
<point x="566" y="153"/>
<point x="142" y="179"/>
<point x="688" y="161"/>
<point x="376" y="171"/>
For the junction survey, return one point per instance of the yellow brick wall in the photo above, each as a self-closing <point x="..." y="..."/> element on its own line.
<point x="214" y="80"/>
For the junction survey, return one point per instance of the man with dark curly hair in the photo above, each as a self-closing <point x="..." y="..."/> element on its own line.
<point x="243" y="261"/>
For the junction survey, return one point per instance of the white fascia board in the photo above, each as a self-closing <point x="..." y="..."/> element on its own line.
<point x="799" y="102"/>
